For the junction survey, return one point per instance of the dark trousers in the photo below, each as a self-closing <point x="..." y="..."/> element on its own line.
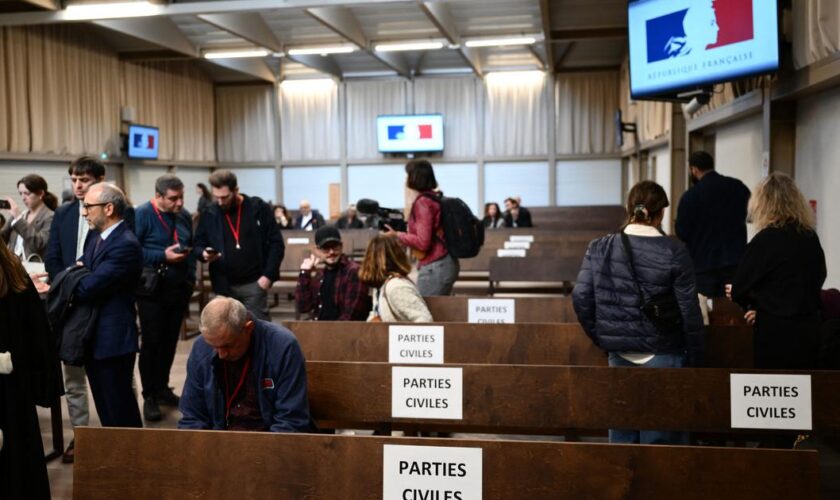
<point x="160" y="325"/>
<point x="110" y="383"/>
<point x="712" y="282"/>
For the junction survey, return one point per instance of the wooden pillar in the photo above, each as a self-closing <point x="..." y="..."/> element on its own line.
<point x="778" y="135"/>
<point x="678" y="145"/>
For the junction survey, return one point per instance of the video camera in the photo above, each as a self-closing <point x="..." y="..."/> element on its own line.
<point x="389" y="216"/>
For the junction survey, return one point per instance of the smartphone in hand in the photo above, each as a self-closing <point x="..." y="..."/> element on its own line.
<point x="5" y="205"/>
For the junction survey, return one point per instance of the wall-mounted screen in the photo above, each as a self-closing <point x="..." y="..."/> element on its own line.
<point x="677" y="45"/>
<point x="409" y="133"/>
<point x="143" y="142"/>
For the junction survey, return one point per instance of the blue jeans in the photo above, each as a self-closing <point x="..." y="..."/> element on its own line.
<point x="625" y="436"/>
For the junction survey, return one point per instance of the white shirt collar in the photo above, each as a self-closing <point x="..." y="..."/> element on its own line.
<point x="641" y="230"/>
<point x="110" y="230"/>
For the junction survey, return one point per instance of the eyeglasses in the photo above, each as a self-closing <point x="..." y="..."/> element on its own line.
<point x="88" y="206"/>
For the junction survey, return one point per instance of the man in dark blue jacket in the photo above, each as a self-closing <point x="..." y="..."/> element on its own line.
<point x="712" y="221"/>
<point x="115" y="259"/>
<point x="244" y="374"/>
<point x="240" y="239"/>
<point x="164" y="229"/>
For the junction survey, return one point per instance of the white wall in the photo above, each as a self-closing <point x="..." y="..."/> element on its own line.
<point x="659" y="165"/>
<point x="739" y="150"/>
<point x="55" y="173"/>
<point x="818" y="170"/>
<point x="589" y="182"/>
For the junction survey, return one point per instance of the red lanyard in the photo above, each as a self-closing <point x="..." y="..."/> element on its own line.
<point x="163" y="222"/>
<point x="230" y="397"/>
<point x="233" y="231"/>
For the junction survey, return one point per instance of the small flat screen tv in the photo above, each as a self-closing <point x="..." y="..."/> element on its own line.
<point x="681" y="45"/>
<point x="143" y="142"/>
<point x="409" y="133"/>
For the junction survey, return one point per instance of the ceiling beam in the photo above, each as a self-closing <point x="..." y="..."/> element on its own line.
<point x="545" y="13"/>
<point x="189" y="8"/>
<point x="324" y="64"/>
<point x="342" y="21"/>
<point x="246" y="25"/>
<point x="536" y="55"/>
<point x="43" y="4"/>
<point x="568" y="35"/>
<point x="163" y="32"/>
<point x="249" y="66"/>
<point x="564" y="55"/>
<point x="153" y="55"/>
<point x="440" y="15"/>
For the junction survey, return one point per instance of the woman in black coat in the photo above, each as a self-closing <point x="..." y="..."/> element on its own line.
<point x="779" y="279"/>
<point x="29" y="375"/>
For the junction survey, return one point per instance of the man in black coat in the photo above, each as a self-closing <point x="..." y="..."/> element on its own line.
<point x="711" y="220"/>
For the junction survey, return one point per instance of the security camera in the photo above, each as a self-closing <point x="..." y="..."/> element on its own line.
<point x="695" y="104"/>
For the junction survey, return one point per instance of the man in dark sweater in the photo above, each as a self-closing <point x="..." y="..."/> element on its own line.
<point x="711" y="220"/>
<point x="239" y="238"/>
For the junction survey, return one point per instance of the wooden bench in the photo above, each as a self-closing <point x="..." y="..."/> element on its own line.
<point x="526" y="344"/>
<point x="542" y="274"/>
<point x="550" y="400"/>
<point x="151" y="463"/>
<point x="606" y="217"/>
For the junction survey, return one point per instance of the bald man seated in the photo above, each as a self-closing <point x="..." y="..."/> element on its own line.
<point x="244" y="374"/>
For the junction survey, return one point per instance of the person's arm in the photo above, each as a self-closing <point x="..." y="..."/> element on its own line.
<point x="583" y="297"/>
<point x="276" y="247"/>
<point x="291" y="404"/>
<point x="684" y="225"/>
<point x="355" y="299"/>
<point x="194" y="411"/>
<point x="524" y="219"/>
<point x="685" y="291"/>
<point x="420" y="235"/>
<point x="152" y="257"/>
<point x="754" y="265"/>
<point x="109" y="274"/>
<point x="6" y="232"/>
<point x="52" y="261"/>
<point x="306" y="292"/>
<point x="35" y="238"/>
<point x="201" y="240"/>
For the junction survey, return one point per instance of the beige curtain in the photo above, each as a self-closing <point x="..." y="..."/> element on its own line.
<point x="177" y="97"/>
<point x="652" y="118"/>
<point x="245" y="130"/>
<point x="309" y="124"/>
<point x="816" y="30"/>
<point x="365" y="101"/>
<point x="14" y="97"/>
<point x="74" y="91"/>
<point x="585" y="109"/>
<point x="516" y="115"/>
<point x="457" y="100"/>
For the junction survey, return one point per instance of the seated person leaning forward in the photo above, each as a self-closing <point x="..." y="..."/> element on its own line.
<point x="334" y="294"/>
<point x="385" y="269"/>
<point x="256" y="366"/>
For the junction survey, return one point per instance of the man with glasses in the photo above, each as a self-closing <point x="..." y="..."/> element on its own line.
<point x="114" y="258"/>
<point x="334" y="293"/>
<point x="241" y="241"/>
<point x="164" y="229"/>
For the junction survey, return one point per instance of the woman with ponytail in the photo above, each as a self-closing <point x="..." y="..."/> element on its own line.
<point x="624" y="272"/>
<point x="27" y="230"/>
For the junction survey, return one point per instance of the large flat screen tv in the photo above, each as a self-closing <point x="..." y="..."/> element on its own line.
<point x="680" y="45"/>
<point x="409" y="133"/>
<point x="143" y="142"/>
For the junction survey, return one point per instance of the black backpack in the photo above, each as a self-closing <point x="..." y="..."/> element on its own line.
<point x="463" y="231"/>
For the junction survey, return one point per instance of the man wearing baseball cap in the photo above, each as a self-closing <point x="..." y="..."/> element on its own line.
<point x="335" y="292"/>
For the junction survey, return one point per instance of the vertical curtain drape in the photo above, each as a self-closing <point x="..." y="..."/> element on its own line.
<point x="816" y="30"/>
<point x="14" y="95"/>
<point x="585" y="107"/>
<point x="365" y="101"/>
<point x="245" y="129"/>
<point x="457" y="100"/>
<point x="652" y="119"/>
<point x="517" y="115"/>
<point x="177" y="97"/>
<point x="309" y="120"/>
<point x="74" y="91"/>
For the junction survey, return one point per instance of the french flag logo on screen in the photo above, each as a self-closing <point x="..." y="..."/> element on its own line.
<point x="139" y="143"/>
<point x="402" y="132"/>
<point x="706" y="24"/>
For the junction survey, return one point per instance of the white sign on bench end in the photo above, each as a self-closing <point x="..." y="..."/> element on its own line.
<point x="418" y="392"/>
<point x="517" y="244"/>
<point x="511" y="252"/>
<point x="415" y="344"/>
<point x="521" y="237"/>
<point x="764" y="401"/>
<point x="491" y="311"/>
<point x="431" y="472"/>
<point x="297" y="241"/>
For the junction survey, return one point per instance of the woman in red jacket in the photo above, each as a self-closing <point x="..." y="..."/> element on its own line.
<point x="436" y="269"/>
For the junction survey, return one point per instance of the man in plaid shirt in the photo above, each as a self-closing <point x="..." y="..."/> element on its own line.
<point x="334" y="293"/>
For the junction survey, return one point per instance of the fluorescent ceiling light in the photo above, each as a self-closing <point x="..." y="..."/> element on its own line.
<point x="500" y="42"/>
<point x="514" y="77"/>
<point x="90" y="11"/>
<point x="308" y="85"/>
<point x="308" y="51"/>
<point x="394" y="47"/>
<point x="235" y="54"/>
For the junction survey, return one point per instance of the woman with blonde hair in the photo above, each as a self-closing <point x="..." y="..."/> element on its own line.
<point x="385" y="270"/>
<point x="779" y="278"/>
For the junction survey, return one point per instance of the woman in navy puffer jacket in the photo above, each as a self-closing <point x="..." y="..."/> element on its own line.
<point x="607" y="300"/>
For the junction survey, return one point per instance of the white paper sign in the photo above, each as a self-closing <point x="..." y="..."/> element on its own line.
<point x="770" y="401"/>
<point x="427" y="393"/>
<point x="491" y="310"/>
<point x="297" y="241"/>
<point x="431" y="472"/>
<point x="511" y="252"/>
<point x="518" y="244"/>
<point x="415" y="344"/>
<point x="522" y="237"/>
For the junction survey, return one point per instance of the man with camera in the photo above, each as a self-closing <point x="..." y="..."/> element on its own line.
<point x="164" y="229"/>
<point x="334" y="293"/>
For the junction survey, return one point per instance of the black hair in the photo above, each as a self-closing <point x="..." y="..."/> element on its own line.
<point x="421" y="175"/>
<point x="87" y="165"/>
<point x="168" y="182"/>
<point x="702" y="160"/>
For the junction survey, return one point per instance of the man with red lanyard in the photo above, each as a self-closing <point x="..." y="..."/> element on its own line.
<point x="241" y="241"/>
<point x="164" y="229"/>
<point x="244" y="374"/>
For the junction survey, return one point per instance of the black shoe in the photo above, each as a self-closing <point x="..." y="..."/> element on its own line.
<point x="70" y="453"/>
<point x="151" y="410"/>
<point x="166" y="397"/>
